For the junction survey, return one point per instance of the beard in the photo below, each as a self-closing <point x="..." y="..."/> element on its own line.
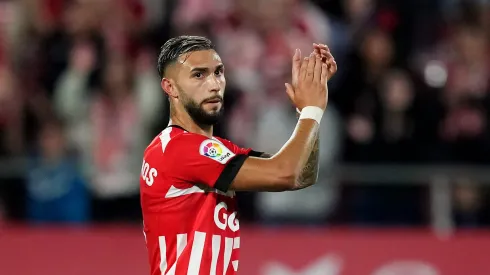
<point x="199" y="115"/>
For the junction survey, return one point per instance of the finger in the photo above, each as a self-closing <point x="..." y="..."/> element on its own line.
<point x="328" y="59"/>
<point x="303" y="69"/>
<point x="318" y="69"/>
<point x="290" y="91"/>
<point x="324" y="74"/>
<point x="317" y="49"/>
<point x="296" y="66"/>
<point x="332" y="69"/>
<point x="328" y="56"/>
<point x="311" y="67"/>
<point x="320" y="46"/>
<point x="324" y="53"/>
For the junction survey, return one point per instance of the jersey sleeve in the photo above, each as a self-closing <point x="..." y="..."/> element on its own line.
<point x="199" y="160"/>
<point x="239" y="150"/>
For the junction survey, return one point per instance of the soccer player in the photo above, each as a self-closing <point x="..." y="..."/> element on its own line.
<point x="189" y="177"/>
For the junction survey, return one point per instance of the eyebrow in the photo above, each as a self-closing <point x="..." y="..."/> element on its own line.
<point x="205" y="69"/>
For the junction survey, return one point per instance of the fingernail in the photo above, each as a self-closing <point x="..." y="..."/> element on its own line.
<point x="296" y="51"/>
<point x="306" y="58"/>
<point x="311" y="54"/>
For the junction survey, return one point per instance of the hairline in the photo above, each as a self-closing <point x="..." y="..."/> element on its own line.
<point x="181" y="45"/>
<point x="176" y="61"/>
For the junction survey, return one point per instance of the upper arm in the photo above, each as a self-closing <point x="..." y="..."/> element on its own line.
<point x="202" y="161"/>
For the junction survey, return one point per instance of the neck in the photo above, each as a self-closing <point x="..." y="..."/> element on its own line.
<point x="183" y="120"/>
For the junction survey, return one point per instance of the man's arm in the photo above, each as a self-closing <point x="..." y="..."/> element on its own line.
<point x="295" y="166"/>
<point x="309" y="173"/>
<point x="285" y="170"/>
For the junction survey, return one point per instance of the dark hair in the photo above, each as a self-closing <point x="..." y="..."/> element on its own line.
<point x="175" y="47"/>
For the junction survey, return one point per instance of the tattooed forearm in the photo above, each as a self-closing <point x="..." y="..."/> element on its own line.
<point x="309" y="174"/>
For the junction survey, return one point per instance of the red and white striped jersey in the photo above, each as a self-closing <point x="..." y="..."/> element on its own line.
<point x="190" y="218"/>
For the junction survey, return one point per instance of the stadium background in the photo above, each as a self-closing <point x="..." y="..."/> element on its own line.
<point x="405" y="140"/>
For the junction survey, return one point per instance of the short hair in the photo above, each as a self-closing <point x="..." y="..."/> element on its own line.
<point x="175" y="47"/>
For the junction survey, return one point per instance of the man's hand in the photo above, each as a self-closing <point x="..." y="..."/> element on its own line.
<point x="326" y="57"/>
<point x="312" y="84"/>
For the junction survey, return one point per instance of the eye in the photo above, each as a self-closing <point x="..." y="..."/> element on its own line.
<point x="219" y="71"/>
<point x="198" y="75"/>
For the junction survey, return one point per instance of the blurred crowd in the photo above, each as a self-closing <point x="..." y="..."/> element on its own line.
<point x="80" y="99"/>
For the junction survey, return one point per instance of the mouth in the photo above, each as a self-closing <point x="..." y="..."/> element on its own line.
<point x="214" y="100"/>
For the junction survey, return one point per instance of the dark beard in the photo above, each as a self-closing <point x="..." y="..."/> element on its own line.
<point x="200" y="116"/>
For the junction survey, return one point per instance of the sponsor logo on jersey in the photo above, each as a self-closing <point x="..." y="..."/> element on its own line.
<point x="216" y="151"/>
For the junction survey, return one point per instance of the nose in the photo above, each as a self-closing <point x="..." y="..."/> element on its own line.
<point x="214" y="83"/>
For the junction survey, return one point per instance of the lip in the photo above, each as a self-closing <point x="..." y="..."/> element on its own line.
<point x="213" y="101"/>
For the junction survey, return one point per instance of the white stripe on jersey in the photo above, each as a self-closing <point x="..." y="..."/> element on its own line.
<point x="236" y="245"/>
<point x="196" y="253"/>
<point x="181" y="243"/>
<point x="228" y="249"/>
<point x="163" y="254"/>
<point x="165" y="137"/>
<point x="174" y="192"/>
<point x="215" y="253"/>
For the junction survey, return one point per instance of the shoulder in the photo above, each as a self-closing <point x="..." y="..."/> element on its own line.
<point x="233" y="147"/>
<point x="172" y="141"/>
<point x="170" y="137"/>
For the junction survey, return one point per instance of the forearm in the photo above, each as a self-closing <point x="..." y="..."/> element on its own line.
<point x="299" y="156"/>
<point x="309" y="173"/>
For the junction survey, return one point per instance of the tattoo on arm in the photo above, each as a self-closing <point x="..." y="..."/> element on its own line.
<point x="309" y="174"/>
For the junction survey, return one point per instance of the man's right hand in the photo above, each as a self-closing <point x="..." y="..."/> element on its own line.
<point x="311" y="89"/>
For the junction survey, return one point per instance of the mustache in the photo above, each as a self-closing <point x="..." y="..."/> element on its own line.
<point x="213" y="98"/>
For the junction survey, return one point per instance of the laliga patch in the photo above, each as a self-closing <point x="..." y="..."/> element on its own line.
<point x="215" y="151"/>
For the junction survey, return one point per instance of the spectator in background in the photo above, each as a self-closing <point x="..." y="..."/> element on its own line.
<point x="358" y="99"/>
<point x="110" y="126"/>
<point x="12" y="141"/>
<point x="80" y="23"/>
<point x="11" y="138"/>
<point x="468" y="204"/>
<point x="56" y="190"/>
<point x="464" y="126"/>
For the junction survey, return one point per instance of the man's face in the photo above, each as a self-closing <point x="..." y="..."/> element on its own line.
<point x="200" y="84"/>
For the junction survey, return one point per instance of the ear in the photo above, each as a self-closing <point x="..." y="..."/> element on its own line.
<point x="168" y="87"/>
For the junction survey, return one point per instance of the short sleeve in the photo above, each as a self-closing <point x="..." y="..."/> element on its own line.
<point x="238" y="150"/>
<point x="199" y="160"/>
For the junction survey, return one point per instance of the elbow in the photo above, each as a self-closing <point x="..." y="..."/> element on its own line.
<point x="292" y="180"/>
<point x="287" y="179"/>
